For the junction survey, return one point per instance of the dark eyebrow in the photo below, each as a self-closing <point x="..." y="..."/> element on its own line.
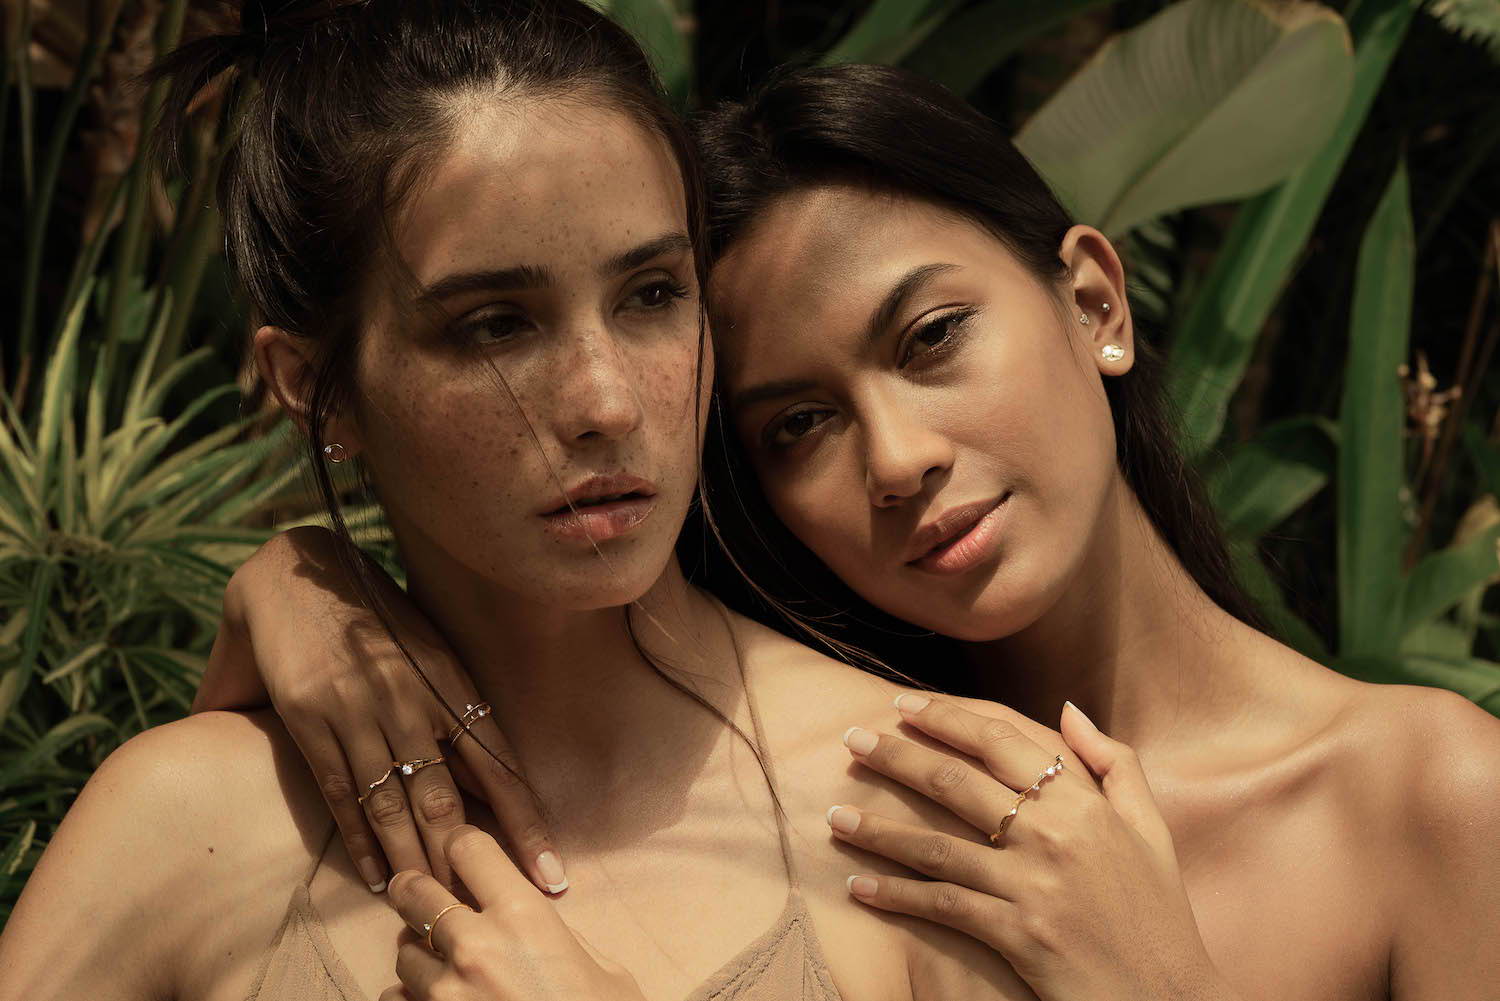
<point x="528" y="276"/>
<point x="670" y="243"/>
<point x="910" y="283"/>
<point x="767" y="391"/>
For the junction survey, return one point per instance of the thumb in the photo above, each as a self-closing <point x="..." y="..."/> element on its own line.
<point x="1119" y="773"/>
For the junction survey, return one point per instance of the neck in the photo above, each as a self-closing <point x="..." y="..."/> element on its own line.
<point x="574" y="692"/>
<point x="1134" y="642"/>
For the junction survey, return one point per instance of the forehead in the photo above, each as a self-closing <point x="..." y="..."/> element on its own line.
<point x="540" y="181"/>
<point x="820" y="259"/>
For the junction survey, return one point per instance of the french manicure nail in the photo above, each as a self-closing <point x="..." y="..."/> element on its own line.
<point x="863" y="886"/>
<point x="551" y="869"/>
<point x="843" y="819"/>
<point x="1084" y="715"/>
<point x="369" y="871"/>
<point x="860" y="741"/>
<point x="908" y="704"/>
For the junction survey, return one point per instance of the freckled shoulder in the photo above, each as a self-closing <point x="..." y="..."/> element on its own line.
<point x="182" y="850"/>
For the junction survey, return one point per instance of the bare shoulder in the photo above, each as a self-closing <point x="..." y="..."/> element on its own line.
<point x="808" y="701"/>
<point x="173" y="855"/>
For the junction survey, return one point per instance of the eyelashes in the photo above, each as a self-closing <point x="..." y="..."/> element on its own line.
<point x="928" y="341"/>
<point x="936" y="335"/>
<point x="500" y="323"/>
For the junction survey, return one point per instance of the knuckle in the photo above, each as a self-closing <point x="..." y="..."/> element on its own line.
<point x="337" y="788"/>
<point x="1039" y="930"/>
<point x="439" y="806"/>
<point x="948" y="902"/>
<point x="935" y="853"/>
<point x="948" y="776"/>
<point x="386" y="807"/>
<point x="534" y="834"/>
<point x="466" y="842"/>
<point x="995" y="732"/>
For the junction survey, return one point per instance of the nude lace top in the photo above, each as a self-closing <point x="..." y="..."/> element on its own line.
<point x="784" y="964"/>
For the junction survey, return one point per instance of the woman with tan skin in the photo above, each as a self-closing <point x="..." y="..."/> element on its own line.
<point x="935" y="399"/>
<point x="512" y="198"/>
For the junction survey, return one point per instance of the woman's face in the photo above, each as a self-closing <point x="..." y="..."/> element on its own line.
<point x="923" y="414"/>
<point x="549" y="244"/>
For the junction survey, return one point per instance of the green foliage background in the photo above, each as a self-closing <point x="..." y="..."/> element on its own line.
<point x="1306" y="198"/>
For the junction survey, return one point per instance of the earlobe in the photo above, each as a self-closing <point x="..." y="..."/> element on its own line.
<point x="1100" y="309"/>
<point x="286" y="363"/>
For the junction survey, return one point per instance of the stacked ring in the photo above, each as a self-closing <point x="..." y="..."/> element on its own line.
<point x="429" y="925"/>
<point x="1052" y="770"/>
<point x="472" y="713"/>
<point x="404" y="767"/>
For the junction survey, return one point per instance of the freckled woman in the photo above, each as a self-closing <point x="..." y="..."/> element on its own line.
<point x="934" y="377"/>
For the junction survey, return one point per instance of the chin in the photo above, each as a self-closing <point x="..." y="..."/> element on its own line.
<point x="1004" y="603"/>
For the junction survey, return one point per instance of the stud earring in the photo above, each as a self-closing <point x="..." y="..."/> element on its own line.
<point x="335" y="452"/>
<point x="1104" y="307"/>
<point x="1112" y="352"/>
<point x="1083" y="318"/>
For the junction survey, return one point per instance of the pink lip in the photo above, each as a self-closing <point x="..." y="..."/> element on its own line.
<point x="607" y="520"/>
<point x="960" y="538"/>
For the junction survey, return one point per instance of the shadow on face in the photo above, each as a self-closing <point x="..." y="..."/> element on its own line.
<point x="923" y="413"/>
<point x="544" y="345"/>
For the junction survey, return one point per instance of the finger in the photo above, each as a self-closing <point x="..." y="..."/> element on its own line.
<point x="969" y="792"/>
<point x="336" y="782"/>
<point x="417" y="966"/>
<point x="977" y="915"/>
<point x="932" y="853"/>
<point x="492" y="877"/>
<point x="1009" y="754"/>
<point x="385" y="807"/>
<point x="522" y="827"/>
<point x="1121" y="778"/>
<point x="420" y="899"/>
<point x="436" y="805"/>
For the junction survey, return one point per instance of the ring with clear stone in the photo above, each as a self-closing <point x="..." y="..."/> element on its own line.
<point x="1051" y="770"/>
<point x="472" y="714"/>
<point x="415" y="764"/>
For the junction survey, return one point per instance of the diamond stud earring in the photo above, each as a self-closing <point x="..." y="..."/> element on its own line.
<point x="1112" y="352"/>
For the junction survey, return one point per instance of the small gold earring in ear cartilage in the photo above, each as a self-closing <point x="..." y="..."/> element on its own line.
<point x="1104" y="307"/>
<point x="1112" y="352"/>
<point x="335" y="452"/>
<point x="1083" y="318"/>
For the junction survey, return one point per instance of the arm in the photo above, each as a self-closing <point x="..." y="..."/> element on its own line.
<point x="295" y="633"/>
<point x="1446" y="945"/>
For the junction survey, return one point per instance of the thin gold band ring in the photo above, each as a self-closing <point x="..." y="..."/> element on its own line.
<point x="430" y="925"/>
<point x="1052" y="769"/>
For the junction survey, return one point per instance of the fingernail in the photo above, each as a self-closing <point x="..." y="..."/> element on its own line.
<point x="860" y="741"/>
<point x="843" y="819"/>
<point x="551" y="869"/>
<point x="1080" y="712"/>
<point x="863" y="886"/>
<point x="369" y="871"/>
<point x="908" y="704"/>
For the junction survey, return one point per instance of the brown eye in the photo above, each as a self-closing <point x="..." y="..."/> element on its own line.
<point x="934" y="335"/>
<point x="796" y="426"/>
<point x="659" y="294"/>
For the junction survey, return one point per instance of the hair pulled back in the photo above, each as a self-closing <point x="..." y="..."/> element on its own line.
<point x="338" y="107"/>
<point x="894" y="131"/>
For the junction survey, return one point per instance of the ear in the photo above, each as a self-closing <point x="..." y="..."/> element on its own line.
<point x="1099" y="278"/>
<point x="287" y="364"/>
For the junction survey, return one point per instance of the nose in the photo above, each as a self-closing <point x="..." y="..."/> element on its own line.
<point x="600" y="398"/>
<point x="903" y="453"/>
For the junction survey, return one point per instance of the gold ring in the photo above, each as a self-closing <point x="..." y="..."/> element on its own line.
<point x="472" y="714"/>
<point x="1051" y="770"/>
<point x="415" y="765"/>
<point x="430" y="925"/>
<point x="374" y="785"/>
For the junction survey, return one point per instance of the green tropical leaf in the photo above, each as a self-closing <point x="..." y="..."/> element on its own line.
<point x="1442" y="579"/>
<point x="965" y="48"/>
<point x="1273" y="475"/>
<point x="659" y="27"/>
<point x="1213" y="342"/>
<point x="1475" y="679"/>
<point x="1223" y="99"/>
<point x="1371" y="421"/>
<point x="889" y="30"/>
